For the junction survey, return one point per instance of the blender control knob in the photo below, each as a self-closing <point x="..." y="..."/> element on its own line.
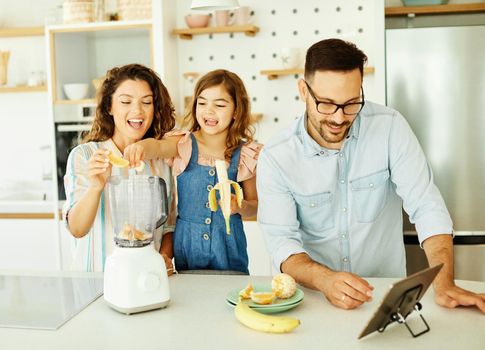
<point x="148" y="282"/>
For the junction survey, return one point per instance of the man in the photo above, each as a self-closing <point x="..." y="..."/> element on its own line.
<point x="332" y="187"/>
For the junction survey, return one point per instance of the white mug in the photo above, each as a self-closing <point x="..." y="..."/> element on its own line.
<point x="242" y="15"/>
<point x="290" y="57"/>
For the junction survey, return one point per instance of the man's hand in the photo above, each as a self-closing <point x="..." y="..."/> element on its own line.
<point x="453" y="296"/>
<point x="342" y="289"/>
<point x="346" y="290"/>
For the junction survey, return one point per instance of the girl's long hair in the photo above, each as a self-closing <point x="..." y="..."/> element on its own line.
<point x="240" y="128"/>
<point x="164" y="112"/>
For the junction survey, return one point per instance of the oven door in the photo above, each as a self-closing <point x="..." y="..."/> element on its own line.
<point x="68" y="136"/>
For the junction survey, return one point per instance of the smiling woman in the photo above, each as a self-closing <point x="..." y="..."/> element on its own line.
<point x="133" y="104"/>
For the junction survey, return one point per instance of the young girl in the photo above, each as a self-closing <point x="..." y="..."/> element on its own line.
<point x="133" y="104"/>
<point x="221" y="129"/>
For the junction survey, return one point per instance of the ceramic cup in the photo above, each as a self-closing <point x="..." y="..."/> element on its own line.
<point x="290" y="57"/>
<point x="222" y="18"/>
<point x="242" y="15"/>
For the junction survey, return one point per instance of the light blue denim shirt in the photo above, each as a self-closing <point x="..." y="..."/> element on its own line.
<point x="344" y="207"/>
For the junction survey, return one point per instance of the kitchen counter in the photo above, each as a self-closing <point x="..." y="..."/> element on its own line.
<point x="198" y="317"/>
<point x="26" y="210"/>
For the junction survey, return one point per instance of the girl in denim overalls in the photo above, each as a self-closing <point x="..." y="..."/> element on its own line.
<point x="220" y="118"/>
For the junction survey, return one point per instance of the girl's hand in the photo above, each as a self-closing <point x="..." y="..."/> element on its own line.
<point x="168" y="264"/>
<point x="99" y="169"/>
<point x="135" y="153"/>
<point x="234" y="207"/>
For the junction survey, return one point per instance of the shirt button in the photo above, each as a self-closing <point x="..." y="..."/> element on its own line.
<point x="340" y="154"/>
<point x="212" y="172"/>
<point x="209" y="187"/>
<point x="371" y="185"/>
<point x="206" y="236"/>
<point x="207" y="205"/>
<point x="312" y="205"/>
<point x="342" y="181"/>
<point x="322" y="153"/>
<point x="345" y="259"/>
<point x="343" y="235"/>
<point x="344" y="209"/>
<point x="207" y="221"/>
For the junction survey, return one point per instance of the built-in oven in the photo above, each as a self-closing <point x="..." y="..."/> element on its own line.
<point x="68" y="136"/>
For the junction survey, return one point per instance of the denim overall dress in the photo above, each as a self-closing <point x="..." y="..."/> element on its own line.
<point x="200" y="238"/>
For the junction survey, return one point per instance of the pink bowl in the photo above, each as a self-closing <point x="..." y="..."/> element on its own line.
<point x="197" y="21"/>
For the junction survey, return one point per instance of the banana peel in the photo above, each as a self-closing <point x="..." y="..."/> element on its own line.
<point x="224" y="187"/>
<point x="264" y="323"/>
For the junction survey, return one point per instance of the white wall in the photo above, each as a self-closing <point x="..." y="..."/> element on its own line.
<point x="285" y="23"/>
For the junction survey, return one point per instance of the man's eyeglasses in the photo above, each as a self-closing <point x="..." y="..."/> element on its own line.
<point x="329" y="108"/>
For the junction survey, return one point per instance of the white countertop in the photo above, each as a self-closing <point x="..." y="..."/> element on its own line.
<point x="11" y="206"/>
<point x="199" y="318"/>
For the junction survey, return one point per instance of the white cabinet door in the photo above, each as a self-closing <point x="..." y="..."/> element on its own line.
<point x="28" y="244"/>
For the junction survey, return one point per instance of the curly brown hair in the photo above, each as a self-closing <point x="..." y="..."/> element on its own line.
<point x="240" y="128"/>
<point x="164" y="112"/>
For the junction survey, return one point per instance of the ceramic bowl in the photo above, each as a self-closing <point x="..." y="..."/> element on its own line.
<point x="76" y="91"/>
<point x="197" y="21"/>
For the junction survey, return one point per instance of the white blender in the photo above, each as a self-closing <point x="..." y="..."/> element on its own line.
<point x="135" y="275"/>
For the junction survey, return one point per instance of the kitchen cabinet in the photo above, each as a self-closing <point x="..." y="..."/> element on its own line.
<point x="81" y="53"/>
<point x="9" y="38"/>
<point x="29" y="244"/>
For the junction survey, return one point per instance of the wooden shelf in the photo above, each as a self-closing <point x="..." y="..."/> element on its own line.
<point x="74" y="102"/>
<point x="188" y="33"/>
<point x="100" y="26"/>
<point x="26" y="215"/>
<point x="40" y="88"/>
<point x="276" y="73"/>
<point x="21" y="31"/>
<point x="435" y="9"/>
<point x="256" y="118"/>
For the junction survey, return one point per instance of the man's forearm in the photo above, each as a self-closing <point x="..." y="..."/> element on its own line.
<point x="305" y="271"/>
<point x="439" y="249"/>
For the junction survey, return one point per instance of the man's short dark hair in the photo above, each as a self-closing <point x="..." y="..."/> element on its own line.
<point x="333" y="55"/>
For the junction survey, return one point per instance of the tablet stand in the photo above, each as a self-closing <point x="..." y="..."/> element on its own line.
<point x="407" y="304"/>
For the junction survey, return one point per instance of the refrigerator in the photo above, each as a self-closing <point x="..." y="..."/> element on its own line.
<point x="435" y="77"/>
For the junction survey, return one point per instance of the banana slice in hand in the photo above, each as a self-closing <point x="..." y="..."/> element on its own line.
<point x="264" y="323"/>
<point x="224" y="188"/>
<point x="118" y="161"/>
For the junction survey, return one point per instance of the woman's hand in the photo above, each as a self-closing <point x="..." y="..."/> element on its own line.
<point x="99" y="169"/>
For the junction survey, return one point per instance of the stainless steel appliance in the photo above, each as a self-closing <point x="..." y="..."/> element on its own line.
<point x="436" y="79"/>
<point x="68" y="136"/>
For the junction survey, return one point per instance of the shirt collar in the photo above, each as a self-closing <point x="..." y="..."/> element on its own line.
<point x="312" y="148"/>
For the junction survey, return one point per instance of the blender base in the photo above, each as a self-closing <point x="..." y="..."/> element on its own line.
<point x="135" y="280"/>
<point x="134" y="310"/>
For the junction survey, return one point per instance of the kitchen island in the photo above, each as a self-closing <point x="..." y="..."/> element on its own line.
<point x="198" y="317"/>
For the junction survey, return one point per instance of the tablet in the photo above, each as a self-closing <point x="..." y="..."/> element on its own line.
<point x="401" y="298"/>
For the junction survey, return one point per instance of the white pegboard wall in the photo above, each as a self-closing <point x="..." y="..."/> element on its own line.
<point x="284" y="23"/>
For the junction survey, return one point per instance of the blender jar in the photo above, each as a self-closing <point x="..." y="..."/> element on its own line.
<point x="138" y="205"/>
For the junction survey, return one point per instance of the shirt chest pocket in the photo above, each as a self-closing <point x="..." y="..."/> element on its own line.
<point x="370" y="195"/>
<point x="315" y="212"/>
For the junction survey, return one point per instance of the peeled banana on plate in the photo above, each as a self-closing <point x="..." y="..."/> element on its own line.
<point x="224" y="188"/>
<point x="264" y="323"/>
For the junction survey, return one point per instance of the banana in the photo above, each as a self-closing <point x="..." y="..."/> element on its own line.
<point x="264" y="323"/>
<point x="224" y="188"/>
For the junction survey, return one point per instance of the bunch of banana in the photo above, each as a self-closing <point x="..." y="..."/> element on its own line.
<point x="264" y="323"/>
<point x="224" y="188"/>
